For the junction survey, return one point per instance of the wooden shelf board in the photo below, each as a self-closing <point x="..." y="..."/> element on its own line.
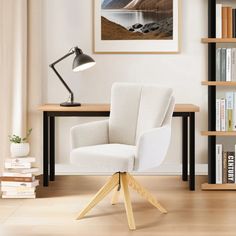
<point x="218" y="133"/>
<point x="219" y="83"/>
<point x="219" y="40"/>
<point x="207" y="186"/>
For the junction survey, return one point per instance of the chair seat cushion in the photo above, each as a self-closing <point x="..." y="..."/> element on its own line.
<point x="104" y="158"/>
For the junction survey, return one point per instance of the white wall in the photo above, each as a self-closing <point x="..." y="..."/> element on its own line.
<point x="69" y="23"/>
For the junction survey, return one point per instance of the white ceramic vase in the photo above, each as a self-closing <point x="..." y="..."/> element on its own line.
<point x="19" y="149"/>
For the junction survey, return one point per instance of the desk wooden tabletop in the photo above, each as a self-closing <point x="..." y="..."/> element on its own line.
<point x="106" y="108"/>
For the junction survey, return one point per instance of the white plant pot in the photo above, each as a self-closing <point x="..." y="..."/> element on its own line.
<point x="19" y="149"/>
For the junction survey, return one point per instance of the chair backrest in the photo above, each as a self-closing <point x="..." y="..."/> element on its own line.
<point x="136" y="108"/>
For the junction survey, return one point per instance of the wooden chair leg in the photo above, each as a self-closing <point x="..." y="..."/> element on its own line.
<point x="145" y="193"/>
<point x="111" y="184"/>
<point x="115" y="196"/>
<point x="127" y="201"/>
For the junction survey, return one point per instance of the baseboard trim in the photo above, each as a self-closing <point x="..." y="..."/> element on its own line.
<point x="168" y="169"/>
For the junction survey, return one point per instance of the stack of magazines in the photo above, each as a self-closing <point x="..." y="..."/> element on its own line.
<point x="18" y="179"/>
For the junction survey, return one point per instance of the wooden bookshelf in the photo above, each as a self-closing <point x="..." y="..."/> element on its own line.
<point x="219" y="83"/>
<point x="222" y="187"/>
<point x="212" y="84"/>
<point x="218" y="40"/>
<point x="218" y="133"/>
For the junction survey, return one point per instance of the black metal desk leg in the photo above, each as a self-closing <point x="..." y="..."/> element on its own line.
<point x="45" y="149"/>
<point x="52" y="148"/>
<point x="192" y="151"/>
<point x="185" y="148"/>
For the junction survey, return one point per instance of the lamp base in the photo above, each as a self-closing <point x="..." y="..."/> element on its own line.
<point x="70" y="104"/>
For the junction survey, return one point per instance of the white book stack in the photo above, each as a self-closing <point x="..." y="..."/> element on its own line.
<point x="18" y="179"/>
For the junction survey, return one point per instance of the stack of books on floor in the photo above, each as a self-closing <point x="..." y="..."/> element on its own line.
<point x="18" y="179"/>
<point x="226" y="64"/>
<point x="225" y="166"/>
<point x="225" y="21"/>
<point x="226" y="112"/>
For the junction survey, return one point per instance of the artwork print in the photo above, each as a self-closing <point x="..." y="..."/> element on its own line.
<point x="136" y="26"/>
<point x="136" y="19"/>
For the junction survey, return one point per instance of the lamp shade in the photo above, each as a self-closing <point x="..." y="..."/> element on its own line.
<point x="82" y="61"/>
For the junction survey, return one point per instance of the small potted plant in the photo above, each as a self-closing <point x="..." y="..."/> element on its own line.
<point x="19" y="146"/>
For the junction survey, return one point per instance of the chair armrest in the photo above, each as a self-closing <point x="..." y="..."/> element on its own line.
<point x="152" y="148"/>
<point x="93" y="133"/>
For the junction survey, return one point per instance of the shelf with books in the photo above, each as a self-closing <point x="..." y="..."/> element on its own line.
<point x="221" y="73"/>
<point x="207" y="186"/>
<point x="219" y="83"/>
<point x="218" y="133"/>
<point x="218" y="40"/>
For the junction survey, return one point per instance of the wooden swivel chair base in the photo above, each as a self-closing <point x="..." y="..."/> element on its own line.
<point x="117" y="181"/>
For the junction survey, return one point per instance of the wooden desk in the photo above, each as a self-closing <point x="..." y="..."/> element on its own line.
<point x="50" y="111"/>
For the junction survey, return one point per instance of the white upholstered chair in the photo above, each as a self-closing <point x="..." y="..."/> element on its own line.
<point x="134" y="138"/>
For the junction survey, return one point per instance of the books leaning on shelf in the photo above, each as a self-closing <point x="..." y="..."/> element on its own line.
<point x="18" y="180"/>
<point x="226" y="112"/>
<point x="225" y="21"/>
<point x="225" y="166"/>
<point x="226" y="64"/>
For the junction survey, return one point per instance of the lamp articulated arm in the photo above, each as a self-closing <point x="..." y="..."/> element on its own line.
<point x="81" y="62"/>
<point x="59" y="76"/>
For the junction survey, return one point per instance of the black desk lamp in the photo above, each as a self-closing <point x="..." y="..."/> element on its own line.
<point x="80" y="63"/>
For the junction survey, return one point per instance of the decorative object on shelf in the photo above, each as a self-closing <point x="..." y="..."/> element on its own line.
<point x="136" y="26"/>
<point x="19" y="146"/>
<point x="80" y="63"/>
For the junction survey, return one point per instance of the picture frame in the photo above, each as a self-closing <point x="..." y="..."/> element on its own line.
<point x="113" y="35"/>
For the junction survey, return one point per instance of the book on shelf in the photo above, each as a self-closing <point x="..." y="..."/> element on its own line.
<point x="219" y="162"/>
<point x="228" y="76"/>
<point x="225" y="165"/>
<point x="218" y="64"/>
<point x="218" y="114"/>
<point x="229" y="110"/>
<point x="233" y="63"/>
<point x="226" y="112"/>
<point x="231" y="168"/>
<point x="223" y="64"/>
<point x="222" y="114"/>
<point x="229" y="23"/>
<point x="224" y="168"/>
<point x="218" y="20"/>
<point x="226" y="64"/>
<point x="234" y="22"/>
<point x="225" y="21"/>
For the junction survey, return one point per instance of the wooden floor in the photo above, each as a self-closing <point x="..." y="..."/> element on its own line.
<point x="53" y="212"/>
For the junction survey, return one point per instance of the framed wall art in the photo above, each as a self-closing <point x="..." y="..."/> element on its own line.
<point x="136" y="26"/>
